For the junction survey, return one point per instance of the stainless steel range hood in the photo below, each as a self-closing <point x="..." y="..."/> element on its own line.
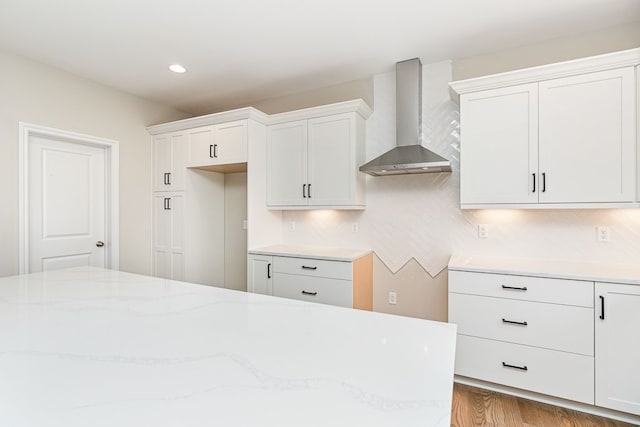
<point x="409" y="156"/>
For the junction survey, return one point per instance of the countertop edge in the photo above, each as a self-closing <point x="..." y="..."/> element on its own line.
<point x="571" y="270"/>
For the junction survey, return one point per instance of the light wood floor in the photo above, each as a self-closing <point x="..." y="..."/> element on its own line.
<point x="476" y="407"/>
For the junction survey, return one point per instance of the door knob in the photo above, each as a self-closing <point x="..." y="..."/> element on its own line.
<point x="99" y="244"/>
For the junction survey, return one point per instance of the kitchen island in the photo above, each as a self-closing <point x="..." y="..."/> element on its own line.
<point x="96" y="347"/>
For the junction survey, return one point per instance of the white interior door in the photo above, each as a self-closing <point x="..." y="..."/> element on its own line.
<point x="66" y="197"/>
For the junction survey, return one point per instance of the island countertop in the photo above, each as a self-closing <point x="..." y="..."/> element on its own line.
<point x="97" y="347"/>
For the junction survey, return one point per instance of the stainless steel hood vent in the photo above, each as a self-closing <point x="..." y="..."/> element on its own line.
<point x="409" y="156"/>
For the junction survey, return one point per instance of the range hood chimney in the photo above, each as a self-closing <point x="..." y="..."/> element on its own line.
<point x="409" y="156"/>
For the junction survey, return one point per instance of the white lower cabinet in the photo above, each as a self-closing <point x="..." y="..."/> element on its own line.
<point x="342" y="283"/>
<point x="617" y="320"/>
<point x="259" y="274"/>
<point x="549" y="335"/>
<point x="533" y="333"/>
<point x="557" y="373"/>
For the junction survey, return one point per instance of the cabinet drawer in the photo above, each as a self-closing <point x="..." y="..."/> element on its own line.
<point x="552" y="326"/>
<point x="541" y="289"/>
<point x="313" y="267"/>
<point x="565" y="375"/>
<point x="313" y="289"/>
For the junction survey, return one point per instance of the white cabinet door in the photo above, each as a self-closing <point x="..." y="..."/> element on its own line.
<point x="260" y="274"/>
<point x="168" y="235"/>
<point x="201" y="145"/>
<point x="587" y="138"/>
<point x="617" y="349"/>
<point x="221" y="144"/>
<point x="287" y="164"/>
<point x="169" y="161"/>
<point x="231" y="142"/>
<point x="499" y="146"/>
<point x="332" y="166"/>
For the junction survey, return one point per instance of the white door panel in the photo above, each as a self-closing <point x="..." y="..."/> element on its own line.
<point x="66" y="204"/>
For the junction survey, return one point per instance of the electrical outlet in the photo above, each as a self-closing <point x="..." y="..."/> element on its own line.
<point x="392" y="298"/>
<point x="483" y="231"/>
<point x="292" y="226"/>
<point x="354" y="227"/>
<point x="603" y="234"/>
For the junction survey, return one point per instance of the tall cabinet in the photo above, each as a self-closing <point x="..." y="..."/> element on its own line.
<point x="200" y="216"/>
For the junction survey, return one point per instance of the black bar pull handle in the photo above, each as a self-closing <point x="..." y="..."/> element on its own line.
<point x="215" y="150"/>
<point x="169" y="178"/>
<point x="269" y="271"/>
<point x="544" y="182"/>
<point x="306" y="267"/>
<point x="166" y="178"/>
<point x="522" y="368"/>
<point x="313" y="294"/>
<point x="167" y="203"/>
<point x="309" y="190"/>
<point x="514" y="288"/>
<point x="601" y="307"/>
<point x="304" y="190"/>
<point x="513" y="322"/>
<point x="534" y="183"/>
<point x="211" y="150"/>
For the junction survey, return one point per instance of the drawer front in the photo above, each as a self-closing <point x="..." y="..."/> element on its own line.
<point x="313" y="267"/>
<point x="541" y="289"/>
<point x="565" y="375"/>
<point x="313" y="289"/>
<point x="552" y="326"/>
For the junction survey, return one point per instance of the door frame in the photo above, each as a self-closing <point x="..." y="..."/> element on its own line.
<point x="112" y="195"/>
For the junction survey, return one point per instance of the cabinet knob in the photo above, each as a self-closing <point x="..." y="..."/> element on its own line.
<point x="99" y="243"/>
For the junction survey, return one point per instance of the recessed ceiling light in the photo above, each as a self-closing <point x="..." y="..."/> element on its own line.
<point x="177" y="68"/>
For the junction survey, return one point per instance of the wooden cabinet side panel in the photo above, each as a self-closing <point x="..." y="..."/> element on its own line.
<point x="363" y="283"/>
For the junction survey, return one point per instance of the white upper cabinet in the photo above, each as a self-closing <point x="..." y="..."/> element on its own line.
<point x="169" y="161"/>
<point x="557" y="136"/>
<point x="313" y="163"/>
<point x="587" y="138"/>
<point x="500" y="145"/>
<point x="221" y="144"/>
<point x="287" y="164"/>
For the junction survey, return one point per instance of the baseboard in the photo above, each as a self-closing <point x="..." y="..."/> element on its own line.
<point x="569" y="404"/>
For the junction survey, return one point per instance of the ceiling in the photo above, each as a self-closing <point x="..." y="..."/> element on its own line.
<point x="242" y="51"/>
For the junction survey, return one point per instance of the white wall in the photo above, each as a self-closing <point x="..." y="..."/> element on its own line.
<point x="414" y="223"/>
<point x="38" y="94"/>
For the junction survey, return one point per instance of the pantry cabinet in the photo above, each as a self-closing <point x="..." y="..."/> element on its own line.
<point x="199" y="208"/>
<point x="617" y="347"/>
<point x="313" y="163"/>
<point x="169" y="161"/>
<point x="168" y="235"/>
<point x="532" y="139"/>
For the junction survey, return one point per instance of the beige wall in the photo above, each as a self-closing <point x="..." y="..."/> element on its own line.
<point x="42" y="95"/>
<point x="562" y="49"/>
<point x="357" y="89"/>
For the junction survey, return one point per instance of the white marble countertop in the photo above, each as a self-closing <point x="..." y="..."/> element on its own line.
<point x="91" y="347"/>
<point x="592" y="271"/>
<point x="317" y="252"/>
